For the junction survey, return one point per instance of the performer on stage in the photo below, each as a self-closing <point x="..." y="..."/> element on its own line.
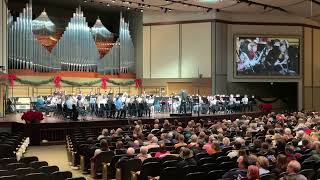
<point x="92" y="103"/>
<point x="245" y="103"/>
<point x="183" y="104"/>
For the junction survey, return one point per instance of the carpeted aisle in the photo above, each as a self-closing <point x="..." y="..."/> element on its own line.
<point x="54" y="155"/>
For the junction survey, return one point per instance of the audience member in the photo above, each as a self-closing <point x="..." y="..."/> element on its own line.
<point x="293" y="169"/>
<point x="253" y="173"/>
<point x="162" y="151"/>
<point x="143" y="154"/>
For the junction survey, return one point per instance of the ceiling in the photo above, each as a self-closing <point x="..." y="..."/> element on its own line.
<point x="304" y="8"/>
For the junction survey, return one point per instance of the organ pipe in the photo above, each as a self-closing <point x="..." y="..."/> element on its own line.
<point x="76" y="49"/>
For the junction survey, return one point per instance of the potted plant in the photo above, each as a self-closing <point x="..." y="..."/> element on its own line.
<point x="32" y="116"/>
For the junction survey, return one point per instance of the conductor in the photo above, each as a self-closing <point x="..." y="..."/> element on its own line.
<point x="183" y="104"/>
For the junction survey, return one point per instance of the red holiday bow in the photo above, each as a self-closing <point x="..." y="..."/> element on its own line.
<point x="12" y="78"/>
<point x="138" y="83"/>
<point x="104" y="80"/>
<point x="57" y="81"/>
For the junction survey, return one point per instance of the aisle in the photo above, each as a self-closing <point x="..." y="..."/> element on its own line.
<point x="54" y="155"/>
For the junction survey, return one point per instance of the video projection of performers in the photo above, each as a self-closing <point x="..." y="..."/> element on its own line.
<point x="267" y="56"/>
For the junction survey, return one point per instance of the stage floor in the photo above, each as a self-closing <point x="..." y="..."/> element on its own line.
<point x="16" y="117"/>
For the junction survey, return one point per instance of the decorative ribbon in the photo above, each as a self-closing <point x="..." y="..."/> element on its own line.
<point x="12" y="78"/>
<point x="138" y="83"/>
<point x="57" y="81"/>
<point x="104" y="81"/>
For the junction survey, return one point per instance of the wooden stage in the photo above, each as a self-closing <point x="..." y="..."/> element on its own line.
<point x="54" y="130"/>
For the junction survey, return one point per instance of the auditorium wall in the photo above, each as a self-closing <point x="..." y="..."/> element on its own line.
<point x="175" y="56"/>
<point x="221" y="35"/>
<point x="3" y="49"/>
<point x="311" y="78"/>
<point x="233" y="85"/>
<point x="177" y="51"/>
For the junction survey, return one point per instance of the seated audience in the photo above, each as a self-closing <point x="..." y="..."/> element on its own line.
<point x="103" y="147"/>
<point x="253" y="173"/>
<point x="120" y="148"/>
<point x="240" y="172"/>
<point x="143" y="154"/>
<point x="215" y="148"/>
<point x="153" y="143"/>
<point x="162" y="151"/>
<point x="293" y="169"/>
<point x="263" y="164"/>
<point x="281" y="164"/>
<point x="235" y="152"/>
<point x="104" y="135"/>
<point x="128" y="155"/>
<point x="186" y="156"/>
<point x="181" y="142"/>
<point x="208" y="145"/>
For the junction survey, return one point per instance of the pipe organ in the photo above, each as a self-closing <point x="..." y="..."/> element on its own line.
<point x="78" y="49"/>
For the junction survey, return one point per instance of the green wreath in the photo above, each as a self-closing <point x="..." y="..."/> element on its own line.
<point x="72" y="83"/>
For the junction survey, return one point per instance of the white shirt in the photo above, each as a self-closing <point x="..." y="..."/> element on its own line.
<point x="245" y="100"/>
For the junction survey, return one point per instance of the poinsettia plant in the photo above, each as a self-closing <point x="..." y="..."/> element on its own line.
<point x="32" y="116"/>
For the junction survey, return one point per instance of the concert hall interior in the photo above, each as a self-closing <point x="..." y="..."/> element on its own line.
<point x="202" y="89"/>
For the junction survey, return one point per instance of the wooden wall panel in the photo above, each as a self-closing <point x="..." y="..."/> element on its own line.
<point x="18" y="91"/>
<point x="177" y="87"/>
<point x="308" y="98"/>
<point x="307" y="57"/>
<point x="316" y="57"/>
<point x="203" y="87"/>
<point x="316" y="98"/>
<point x="44" y="91"/>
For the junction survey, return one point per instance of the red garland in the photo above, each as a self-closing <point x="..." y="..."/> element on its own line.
<point x="12" y="78"/>
<point x="57" y="81"/>
<point x="138" y="83"/>
<point x="104" y="81"/>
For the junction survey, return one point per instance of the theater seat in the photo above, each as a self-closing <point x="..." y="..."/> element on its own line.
<point x="36" y="176"/>
<point x="308" y="173"/>
<point x="99" y="162"/>
<point x="216" y="174"/>
<point x="128" y="169"/>
<point x="61" y="175"/>
<point x="23" y="171"/>
<point x="169" y="173"/>
<point x="13" y="166"/>
<point x="49" y="169"/>
<point x="150" y="169"/>
<point x="5" y="173"/>
<point x="38" y="164"/>
<point x="12" y="177"/>
<point x="77" y="178"/>
<point x="28" y="160"/>
<point x="196" y="176"/>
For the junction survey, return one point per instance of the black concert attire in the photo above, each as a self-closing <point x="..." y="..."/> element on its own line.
<point x="183" y="105"/>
